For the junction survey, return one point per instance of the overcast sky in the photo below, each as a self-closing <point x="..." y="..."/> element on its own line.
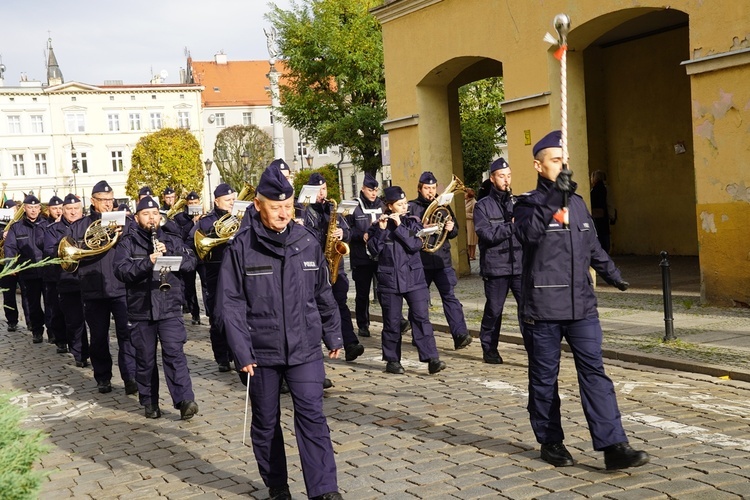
<point x="97" y="40"/>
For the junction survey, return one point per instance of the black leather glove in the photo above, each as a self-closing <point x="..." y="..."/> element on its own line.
<point x="563" y="182"/>
<point x="622" y="285"/>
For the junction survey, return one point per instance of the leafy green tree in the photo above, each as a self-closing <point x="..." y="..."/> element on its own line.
<point x="331" y="174"/>
<point x="170" y="157"/>
<point x="334" y="89"/>
<point x="231" y="143"/>
<point x="481" y="123"/>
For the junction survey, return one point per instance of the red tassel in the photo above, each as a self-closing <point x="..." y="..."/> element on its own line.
<point x="559" y="52"/>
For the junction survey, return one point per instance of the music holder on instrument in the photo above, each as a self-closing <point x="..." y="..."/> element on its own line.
<point x="346" y="207"/>
<point x="308" y="194"/>
<point x="6" y="214"/>
<point x="240" y="207"/>
<point x="445" y="199"/>
<point x="168" y="263"/>
<point x="426" y="231"/>
<point x="117" y="217"/>
<point x="195" y="210"/>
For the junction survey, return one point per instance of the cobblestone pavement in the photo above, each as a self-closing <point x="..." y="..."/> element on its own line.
<point x="462" y="433"/>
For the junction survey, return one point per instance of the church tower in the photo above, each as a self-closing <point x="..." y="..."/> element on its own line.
<point x="54" y="75"/>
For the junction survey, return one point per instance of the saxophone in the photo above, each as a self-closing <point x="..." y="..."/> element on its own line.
<point x="335" y="249"/>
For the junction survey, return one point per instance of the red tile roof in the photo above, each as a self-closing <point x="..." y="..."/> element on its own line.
<point x="236" y="83"/>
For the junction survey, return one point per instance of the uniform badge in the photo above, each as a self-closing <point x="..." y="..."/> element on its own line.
<point x="282" y="197"/>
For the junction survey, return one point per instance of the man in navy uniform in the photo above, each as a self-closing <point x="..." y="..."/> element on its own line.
<point x="53" y="317"/>
<point x="168" y="198"/>
<point x="276" y="305"/>
<point x="9" y="283"/>
<point x="143" y="192"/>
<point x="318" y="218"/>
<point x="558" y="301"/>
<point x="499" y="256"/>
<point x="155" y="309"/>
<point x="26" y="239"/>
<point x="184" y="223"/>
<point x="75" y="337"/>
<point x="104" y="297"/>
<point x="208" y="269"/>
<point x="438" y="266"/>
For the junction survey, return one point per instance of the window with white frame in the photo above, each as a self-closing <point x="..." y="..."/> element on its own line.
<point x="75" y="122"/>
<point x="135" y="121"/>
<point x="83" y="161"/>
<point x="40" y="162"/>
<point x="355" y="188"/>
<point x="156" y="121"/>
<point x="220" y="120"/>
<point x="16" y="161"/>
<point x="183" y="119"/>
<point x="37" y="124"/>
<point x="271" y="117"/>
<point x="323" y="152"/>
<point x="302" y="148"/>
<point x="117" y="164"/>
<point x="113" y="120"/>
<point x="14" y="124"/>
<point x="247" y="118"/>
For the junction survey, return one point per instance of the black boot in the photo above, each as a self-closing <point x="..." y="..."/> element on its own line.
<point x="622" y="456"/>
<point x="394" y="367"/>
<point x="435" y="365"/>
<point x="353" y="351"/>
<point x="557" y="454"/>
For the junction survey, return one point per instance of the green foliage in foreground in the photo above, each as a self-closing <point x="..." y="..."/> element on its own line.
<point x="19" y="449"/>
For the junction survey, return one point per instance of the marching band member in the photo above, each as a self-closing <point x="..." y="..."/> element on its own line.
<point x="53" y="317"/>
<point x="168" y="198"/>
<point x="394" y="241"/>
<point x="154" y="299"/>
<point x="275" y="301"/>
<point x="185" y="223"/>
<point x="438" y="266"/>
<point x="499" y="256"/>
<point x="9" y="283"/>
<point x="104" y="297"/>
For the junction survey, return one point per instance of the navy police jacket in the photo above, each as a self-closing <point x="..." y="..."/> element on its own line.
<point x="397" y="248"/>
<point x="26" y="239"/>
<point x="360" y="223"/>
<point x="442" y="258"/>
<point x="317" y="218"/>
<point x="66" y="282"/>
<point x="499" y="248"/>
<point x="133" y="266"/>
<point x="97" y="272"/>
<point x="274" y="299"/>
<point x="556" y="283"/>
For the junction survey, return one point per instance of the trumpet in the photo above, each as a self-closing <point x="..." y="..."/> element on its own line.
<point x="164" y="286"/>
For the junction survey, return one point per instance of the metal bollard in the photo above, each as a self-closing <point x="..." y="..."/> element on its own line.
<point x="666" y="285"/>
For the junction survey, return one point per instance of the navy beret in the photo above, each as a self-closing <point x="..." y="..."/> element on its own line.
<point x="273" y="185"/>
<point x="168" y="190"/>
<point x="123" y="207"/>
<point x="223" y="189"/>
<point x="145" y="191"/>
<point x="551" y="140"/>
<point x="316" y="179"/>
<point x="427" y="178"/>
<point x="31" y="200"/>
<point x="70" y="198"/>
<point x="146" y="203"/>
<point x="281" y="164"/>
<point x="370" y="181"/>
<point x="192" y="195"/>
<point x="394" y="193"/>
<point x="55" y="201"/>
<point x="9" y="204"/>
<point x="499" y="164"/>
<point x="101" y="187"/>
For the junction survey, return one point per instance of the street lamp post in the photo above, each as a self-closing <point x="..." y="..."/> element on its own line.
<point x="208" y="164"/>
<point x="74" y="156"/>
<point x="245" y="156"/>
<point x="309" y="158"/>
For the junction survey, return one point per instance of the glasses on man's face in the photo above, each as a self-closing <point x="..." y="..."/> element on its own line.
<point x="103" y="200"/>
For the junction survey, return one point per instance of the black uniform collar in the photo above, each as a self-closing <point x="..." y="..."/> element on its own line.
<point x="498" y="195"/>
<point x="543" y="184"/>
<point x="376" y="203"/>
<point x="421" y="200"/>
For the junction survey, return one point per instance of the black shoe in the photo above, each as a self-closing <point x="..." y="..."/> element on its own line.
<point x="492" y="358"/>
<point x="394" y="367"/>
<point x="353" y="351"/>
<point x="82" y="364"/>
<point x="153" y="411"/>
<point x="363" y="332"/>
<point x="622" y="456"/>
<point x="462" y="341"/>
<point x="284" y="387"/>
<point x="557" y="454"/>
<point x="196" y="321"/>
<point x="435" y="365"/>
<point x="405" y="326"/>
<point x="131" y="387"/>
<point x="12" y="327"/>
<point x="279" y="493"/>
<point x="62" y="349"/>
<point x="224" y="367"/>
<point x="51" y="339"/>
<point x="327" y="384"/>
<point x="104" y="386"/>
<point x="334" y="495"/>
<point x="188" y="408"/>
<point x="37" y="338"/>
<point x="185" y="310"/>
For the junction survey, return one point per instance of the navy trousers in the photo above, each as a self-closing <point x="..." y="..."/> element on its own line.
<point x="172" y="336"/>
<point x="421" y="328"/>
<point x="71" y="306"/>
<point x="191" y="295"/>
<point x="53" y="316"/>
<point x="219" y="344"/>
<point x="310" y="427"/>
<point x="495" y="292"/>
<point x="362" y="276"/>
<point x="445" y="281"/>
<point x="97" y="313"/>
<point x="340" y="291"/>
<point x="31" y="294"/>
<point x="542" y="341"/>
<point x="9" y="284"/>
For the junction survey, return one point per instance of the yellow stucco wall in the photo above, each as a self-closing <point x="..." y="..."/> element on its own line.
<point x="688" y="203"/>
